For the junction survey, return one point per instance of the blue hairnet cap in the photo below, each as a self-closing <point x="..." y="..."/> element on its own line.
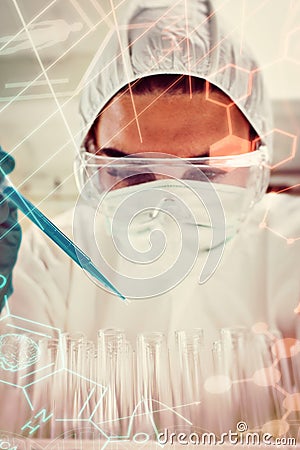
<point x="182" y="38"/>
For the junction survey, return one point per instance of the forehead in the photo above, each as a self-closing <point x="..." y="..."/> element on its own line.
<point x="169" y="123"/>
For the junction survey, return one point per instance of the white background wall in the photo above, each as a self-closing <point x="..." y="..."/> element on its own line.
<point x="272" y="29"/>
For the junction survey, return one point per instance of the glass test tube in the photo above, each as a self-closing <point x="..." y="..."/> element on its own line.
<point x="115" y="372"/>
<point x="153" y="380"/>
<point x="187" y="362"/>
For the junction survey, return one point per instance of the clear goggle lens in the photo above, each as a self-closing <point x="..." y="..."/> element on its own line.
<point x="104" y="173"/>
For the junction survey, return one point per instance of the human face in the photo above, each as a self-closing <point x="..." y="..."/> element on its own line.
<point x="211" y="135"/>
<point x="172" y="124"/>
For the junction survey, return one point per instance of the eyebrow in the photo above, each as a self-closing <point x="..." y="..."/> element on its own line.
<point x="203" y="155"/>
<point x="112" y="152"/>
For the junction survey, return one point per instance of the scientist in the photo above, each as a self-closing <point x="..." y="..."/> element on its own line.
<point x="156" y="91"/>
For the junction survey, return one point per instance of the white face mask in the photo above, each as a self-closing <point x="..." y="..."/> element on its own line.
<point x="160" y="228"/>
<point x="210" y="208"/>
<point x="158" y="231"/>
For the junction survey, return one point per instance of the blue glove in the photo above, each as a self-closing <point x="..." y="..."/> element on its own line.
<point x="10" y="233"/>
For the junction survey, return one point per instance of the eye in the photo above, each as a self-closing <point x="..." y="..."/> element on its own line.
<point x="140" y="178"/>
<point x="112" y="171"/>
<point x="203" y="173"/>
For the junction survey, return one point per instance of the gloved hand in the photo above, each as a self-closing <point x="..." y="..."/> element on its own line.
<point x="10" y="233"/>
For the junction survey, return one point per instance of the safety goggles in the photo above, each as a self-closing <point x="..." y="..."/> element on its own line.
<point x="97" y="174"/>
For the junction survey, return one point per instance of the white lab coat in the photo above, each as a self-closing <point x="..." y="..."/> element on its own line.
<point x="258" y="280"/>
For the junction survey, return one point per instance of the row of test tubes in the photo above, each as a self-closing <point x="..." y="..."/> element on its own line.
<point x="178" y="384"/>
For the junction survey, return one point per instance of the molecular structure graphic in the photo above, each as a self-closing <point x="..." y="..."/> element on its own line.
<point x="22" y="365"/>
<point x="30" y="373"/>
<point x="17" y="351"/>
<point x="282" y="351"/>
<point x="138" y="427"/>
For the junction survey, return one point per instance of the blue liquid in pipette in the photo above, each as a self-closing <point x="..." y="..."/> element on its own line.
<point x="57" y="236"/>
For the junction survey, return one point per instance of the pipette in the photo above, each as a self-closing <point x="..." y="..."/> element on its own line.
<point x="54" y="233"/>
